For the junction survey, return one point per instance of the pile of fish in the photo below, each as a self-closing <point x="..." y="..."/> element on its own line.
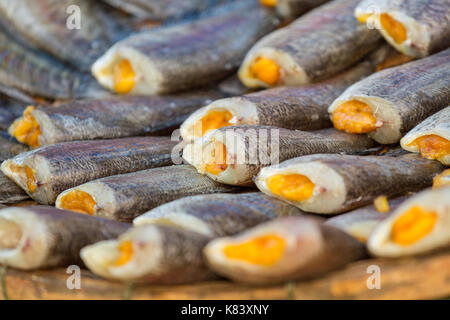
<point x="263" y="141"/>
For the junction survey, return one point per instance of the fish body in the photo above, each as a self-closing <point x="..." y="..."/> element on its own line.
<point x="391" y="102"/>
<point x="9" y="110"/>
<point x="124" y="197"/>
<point x="9" y="191"/>
<point x="44" y="237"/>
<point x="234" y="155"/>
<point x="150" y="254"/>
<point x="416" y="28"/>
<point x="184" y="56"/>
<point x="310" y="49"/>
<point x="218" y="215"/>
<point x="9" y="147"/>
<point x="46" y="172"/>
<point x="295" y="8"/>
<point x="294" y="248"/>
<point x="339" y="183"/>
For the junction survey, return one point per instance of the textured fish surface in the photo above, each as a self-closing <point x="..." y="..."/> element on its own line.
<point x="234" y="155"/>
<point x="99" y="27"/>
<point x="400" y="98"/>
<point x="301" y="108"/>
<point x="38" y="74"/>
<point x="314" y="47"/>
<point x="300" y="248"/>
<point x="46" y="172"/>
<point x="9" y="147"/>
<point x="361" y="222"/>
<point x="436" y="125"/>
<point x="124" y="197"/>
<point x="345" y="182"/>
<point x="116" y="117"/>
<point x="150" y="254"/>
<point x="10" y="109"/>
<point x="9" y="191"/>
<point x="418" y="226"/>
<point x="417" y="28"/>
<point x="44" y="237"/>
<point x="295" y="8"/>
<point x="184" y="56"/>
<point x="218" y="215"/>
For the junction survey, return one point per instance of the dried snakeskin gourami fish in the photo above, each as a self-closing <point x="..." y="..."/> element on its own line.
<point x="150" y="254"/>
<point x="332" y="183"/>
<point x="442" y="179"/>
<point x="40" y="75"/>
<point x="389" y="103"/>
<point x="9" y="191"/>
<point x="292" y="8"/>
<point x="282" y="250"/>
<point x="420" y="225"/>
<point x="124" y="197"/>
<point x="106" y="118"/>
<point x="80" y="47"/>
<point x="9" y="148"/>
<point x="44" y="237"/>
<point x="301" y="108"/>
<point x="313" y="48"/>
<point x="46" y="172"/>
<point x="360" y="223"/>
<point x="431" y="138"/>
<point x="234" y="155"/>
<point x="218" y="215"/>
<point x="180" y="57"/>
<point x="416" y="28"/>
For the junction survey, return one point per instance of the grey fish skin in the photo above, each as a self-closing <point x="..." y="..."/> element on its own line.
<point x="357" y="180"/>
<point x="218" y="215"/>
<point x="10" y="109"/>
<point x="261" y="146"/>
<point x="361" y="222"/>
<point x="311" y="49"/>
<point x="160" y="255"/>
<point x="311" y="249"/>
<point x="189" y="55"/>
<point x="45" y="237"/>
<point x="124" y="197"/>
<point x="38" y="74"/>
<point x="9" y="191"/>
<point x="427" y="23"/>
<point x="9" y="147"/>
<point x="402" y="97"/>
<point x="438" y="124"/>
<point x="295" y="8"/>
<point x="80" y="47"/>
<point x="117" y="117"/>
<point x="62" y="166"/>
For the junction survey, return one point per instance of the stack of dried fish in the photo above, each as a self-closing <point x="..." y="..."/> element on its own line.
<point x="129" y="209"/>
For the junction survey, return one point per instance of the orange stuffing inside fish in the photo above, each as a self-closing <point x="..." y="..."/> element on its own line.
<point x="78" y="201"/>
<point x="265" y="70"/>
<point x="214" y="119"/>
<point x="294" y="187"/>
<point x="218" y="163"/>
<point x="394" y="28"/>
<point x="413" y="226"/>
<point x="432" y="146"/>
<point x="354" y="117"/>
<point x="27" y="130"/>
<point x="124" y="77"/>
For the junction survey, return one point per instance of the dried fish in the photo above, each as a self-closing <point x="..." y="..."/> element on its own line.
<point x="184" y="56"/>
<point x="9" y="148"/>
<point x="332" y="183"/>
<point x="234" y="155"/>
<point x="417" y="28"/>
<point x="292" y="8"/>
<point x="10" y="109"/>
<point x="360" y="223"/>
<point x="315" y="47"/>
<point x="218" y="215"/>
<point x="431" y="138"/>
<point x="442" y="179"/>
<point x="107" y="118"/>
<point x="150" y="254"/>
<point x="124" y="197"/>
<point x="39" y="74"/>
<point x="282" y="250"/>
<point x="421" y="224"/>
<point x="46" y="172"/>
<point x="389" y="103"/>
<point x="30" y="20"/>
<point x="44" y="237"/>
<point x="9" y="191"/>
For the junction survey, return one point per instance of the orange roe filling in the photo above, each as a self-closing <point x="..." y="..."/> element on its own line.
<point x="442" y="180"/>
<point x="354" y="117"/>
<point x="78" y="201"/>
<point x="219" y="162"/>
<point x="124" y="77"/>
<point x="394" y="60"/>
<point x="394" y="28"/>
<point x="125" y="249"/>
<point x="265" y="70"/>
<point x="31" y="181"/>
<point x="293" y="187"/>
<point x="432" y="146"/>
<point x="263" y="250"/>
<point x="269" y="3"/>
<point x="27" y="130"/>
<point x="213" y="120"/>
<point x="413" y="226"/>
